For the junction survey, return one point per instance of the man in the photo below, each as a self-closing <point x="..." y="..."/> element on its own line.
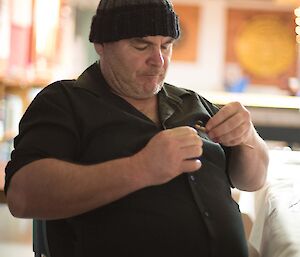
<point x="114" y="160"/>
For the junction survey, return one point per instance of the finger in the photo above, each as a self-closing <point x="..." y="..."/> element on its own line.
<point x="184" y="136"/>
<point x="191" y="152"/>
<point x="190" y="140"/>
<point x="223" y="114"/>
<point x="236" y="141"/>
<point x="234" y="137"/>
<point x="233" y="123"/>
<point x="191" y="165"/>
<point x="181" y="131"/>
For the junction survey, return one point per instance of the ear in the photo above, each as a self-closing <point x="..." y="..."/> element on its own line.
<point x="98" y="48"/>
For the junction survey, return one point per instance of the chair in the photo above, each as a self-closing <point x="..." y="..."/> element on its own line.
<point x="40" y="242"/>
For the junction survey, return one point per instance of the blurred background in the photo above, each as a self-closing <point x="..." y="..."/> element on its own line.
<point x="244" y="50"/>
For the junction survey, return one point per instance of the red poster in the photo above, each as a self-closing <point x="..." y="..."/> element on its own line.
<point x="20" y="37"/>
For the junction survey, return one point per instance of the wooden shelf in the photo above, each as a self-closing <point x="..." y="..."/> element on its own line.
<point x="254" y="100"/>
<point x="2" y="177"/>
<point x="8" y="136"/>
<point x="17" y="83"/>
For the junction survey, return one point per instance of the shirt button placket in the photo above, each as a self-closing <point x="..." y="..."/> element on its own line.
<point x="206" y="214"/>
<point x="192" y="178"/>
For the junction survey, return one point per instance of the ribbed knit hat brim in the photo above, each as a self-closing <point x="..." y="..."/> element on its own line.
<point x="116" y="20"/>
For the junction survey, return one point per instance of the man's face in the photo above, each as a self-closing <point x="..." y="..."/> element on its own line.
<point x="136" y="68"/>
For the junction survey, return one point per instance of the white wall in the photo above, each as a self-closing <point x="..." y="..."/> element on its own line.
<point x="207" y="72"/>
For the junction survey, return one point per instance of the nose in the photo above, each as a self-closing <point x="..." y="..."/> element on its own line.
<point x="157" y="57"/>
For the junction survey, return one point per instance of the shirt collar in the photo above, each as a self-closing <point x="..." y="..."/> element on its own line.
<point x="93" y="81"/>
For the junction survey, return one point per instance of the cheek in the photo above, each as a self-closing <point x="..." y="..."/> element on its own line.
<point x="168" y="60"/>
<point x="133" y="66"/>
<point x="129" y="69"/>
<point x="166" y="64"/>
<point x="124" y="65"/>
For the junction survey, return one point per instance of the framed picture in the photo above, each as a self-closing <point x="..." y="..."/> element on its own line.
<point x="186" y="48"/>
<point x="263" y="44"/>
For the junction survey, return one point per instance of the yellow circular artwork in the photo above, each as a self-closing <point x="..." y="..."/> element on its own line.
<point x="266" y="47"/>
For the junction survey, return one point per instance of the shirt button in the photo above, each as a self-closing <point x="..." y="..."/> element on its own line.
<point x="192" y="178"/>
<point x="206" y="214"/>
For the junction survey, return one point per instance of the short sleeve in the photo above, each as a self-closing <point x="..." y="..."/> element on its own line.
<point x="48" y="129"/>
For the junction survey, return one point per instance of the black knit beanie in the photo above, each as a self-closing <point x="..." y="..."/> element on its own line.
<point x="123" y="19"/>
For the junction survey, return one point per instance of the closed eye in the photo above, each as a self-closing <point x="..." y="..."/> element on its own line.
<point x="142" y="44"/>
<point x="141" y="47"/>
<point x="139" y="44"/>
<point x="166" y="46"/>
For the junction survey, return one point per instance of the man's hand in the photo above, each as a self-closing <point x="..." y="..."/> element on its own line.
<point x="231" y="126"/>
<point x="168" y="154"/>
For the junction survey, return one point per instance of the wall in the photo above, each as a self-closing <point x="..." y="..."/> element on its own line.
<point x="207" y="72"/>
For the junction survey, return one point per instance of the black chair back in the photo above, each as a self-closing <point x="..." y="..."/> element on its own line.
<point x="40" y="242"/>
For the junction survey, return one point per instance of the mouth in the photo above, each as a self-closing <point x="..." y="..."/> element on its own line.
<point x="153" y="75"/>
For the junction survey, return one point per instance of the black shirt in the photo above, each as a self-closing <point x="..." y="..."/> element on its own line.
<point x="81" y="121"/>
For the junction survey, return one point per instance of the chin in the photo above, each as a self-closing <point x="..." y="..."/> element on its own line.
<point x="156" y="89"/>
<point x="147" y="94"/>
